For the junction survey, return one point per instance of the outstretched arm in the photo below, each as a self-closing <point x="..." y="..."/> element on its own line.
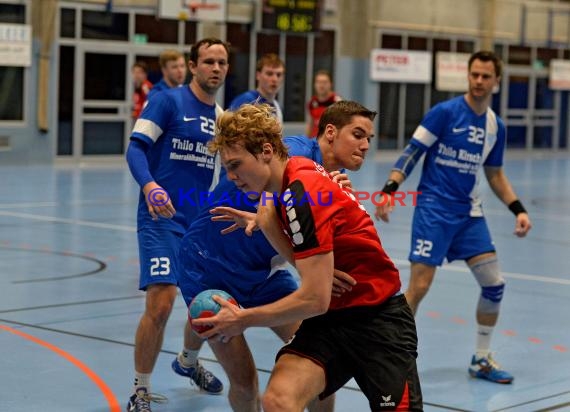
<point x="401" y="170"/>
<point x="503" y="189"/>
<point x="311" y="299"/>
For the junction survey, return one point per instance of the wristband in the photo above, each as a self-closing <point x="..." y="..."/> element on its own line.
<point x="390" y="187"/>
<point x="516" y="207"/>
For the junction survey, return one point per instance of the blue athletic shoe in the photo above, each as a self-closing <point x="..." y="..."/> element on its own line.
<point x="139" y="402"/>
<point x="202" y="377"/>
<point x="487" y="368"/>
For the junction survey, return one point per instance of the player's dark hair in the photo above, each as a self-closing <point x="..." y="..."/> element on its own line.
<point x="142" y="65"/>
<point x="487" y="56"/>
<point x="209" y="41"/>
<point x="340" y="114"/>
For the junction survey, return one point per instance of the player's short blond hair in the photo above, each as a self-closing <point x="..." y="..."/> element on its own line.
<point x="250" y="126"/>
<point x="168" y="55"/>
<point x="269" y="60"/>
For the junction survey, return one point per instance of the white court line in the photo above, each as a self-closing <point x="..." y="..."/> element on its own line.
<point x="66" y="204"/>
<point x="87" y="223"/>
<point x="399" y="262"/>
<point x="30" y="204"/>
<point x="534" y="215"/>
<point x="521" y="276"/>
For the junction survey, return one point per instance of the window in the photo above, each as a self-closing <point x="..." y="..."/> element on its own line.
<point x="295" y="78"/>
<point x="67" y="23"/>
<point x="65" y="99"/>
<point x="157" y="30"/>
<point x="104" y="26"/>
<point x="105" y="76"/>
<point x="390" y="41"/>
<point x="190" y="32"/>
<point x="12" y="78"/>
<point x="267" y="43"/>
<point x="324" y="51"/>
<point x="237" y="80"/>
<point x="519" y="55"/>
<point x="12" y="13"/>
<point x="443" y="45"/>
<point x="11" y="93"/>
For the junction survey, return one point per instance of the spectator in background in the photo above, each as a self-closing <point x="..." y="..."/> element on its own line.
<point x="324" y="97"/>
<point x="173" y="69"/>
<point x="142" y="87"/>
<point x="269" y="74"/>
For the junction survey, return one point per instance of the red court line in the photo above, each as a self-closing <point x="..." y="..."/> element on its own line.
<point x="107" y="392"/>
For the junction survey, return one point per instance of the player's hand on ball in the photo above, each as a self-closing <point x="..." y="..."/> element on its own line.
<point x="224" y="325"/>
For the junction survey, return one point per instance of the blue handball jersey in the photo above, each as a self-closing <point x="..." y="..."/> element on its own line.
<point x="177" y="127"/>
<point x="302" y="146"/>
<point x="243" y="260"/>
<point x="158" y="87"/>
<point x="458" y="142"/>
<point x="254" y="97"/>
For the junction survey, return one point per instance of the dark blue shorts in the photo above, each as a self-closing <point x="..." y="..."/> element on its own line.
<point x="158" y="254"/>
<point x="438" y="234"/>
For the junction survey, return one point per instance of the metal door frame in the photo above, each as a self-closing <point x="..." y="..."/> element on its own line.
<point x="80" y="103"/>
<point x="530" y="117"/>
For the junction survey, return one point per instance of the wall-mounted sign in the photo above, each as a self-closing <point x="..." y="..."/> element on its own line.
<point x="15" y="45"/>
<point x="559" y="78"/>
<point x="400" y="66"/>
<point x="451" y="71"/>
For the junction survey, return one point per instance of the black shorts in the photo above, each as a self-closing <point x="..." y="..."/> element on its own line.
<point x="375" y="345"/>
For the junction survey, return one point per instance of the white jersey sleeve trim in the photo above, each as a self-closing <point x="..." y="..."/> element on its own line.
<point x="278" y="112"/>
<point x="491" y="130"/>
<point x="148" y="128"/>
<point x="217" y="159"/>
<point x="424" y="136"/>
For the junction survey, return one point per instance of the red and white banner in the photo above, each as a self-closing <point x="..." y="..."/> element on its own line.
<point x="400" y="66"/>
<point x="559" y="74"/>
<point x="451" y="71"/>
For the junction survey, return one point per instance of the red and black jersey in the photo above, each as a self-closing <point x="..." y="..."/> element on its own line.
<point x="319" y="217"/>
<point x="316" y="108"/>
<point x="139" y="98"/>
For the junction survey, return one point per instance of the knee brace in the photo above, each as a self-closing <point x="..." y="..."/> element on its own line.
<point x="492" y="284"/>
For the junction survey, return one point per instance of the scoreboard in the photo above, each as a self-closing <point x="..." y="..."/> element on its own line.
<point x="296" y="16"/>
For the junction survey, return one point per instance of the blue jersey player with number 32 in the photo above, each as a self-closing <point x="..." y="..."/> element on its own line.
<point x="460" y="137"/>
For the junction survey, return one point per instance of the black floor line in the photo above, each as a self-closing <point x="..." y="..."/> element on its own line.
<point x="261" y="370"/>
<point x="101" y="266"/>
<point x="62" y="305"/>
<point x="550" y="408"/>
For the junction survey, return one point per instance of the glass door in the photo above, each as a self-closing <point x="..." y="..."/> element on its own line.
<point x="102" y="120"/>
<point x="531" y="110"/>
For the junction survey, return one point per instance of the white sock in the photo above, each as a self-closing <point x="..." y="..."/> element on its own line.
<point x="188" y="357"/>
<point x="484" y="334"/>
<point x="142" y="380"/>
